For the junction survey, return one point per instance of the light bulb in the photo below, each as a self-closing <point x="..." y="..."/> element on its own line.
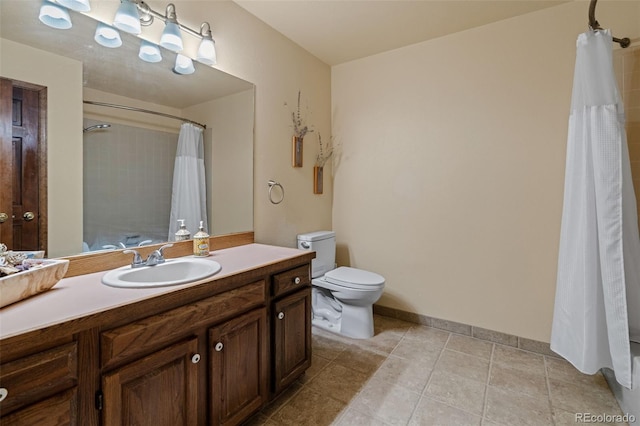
<point x="171" y="38"/>
<point x="127" y="18"/>
<point x="54" y="15"/>
<point x="107" y="36"/>
<point x="184" y="65"/>
<point x="207" y="51"/>
<point x="77" y="5"/>
<point x="149" y="52"/>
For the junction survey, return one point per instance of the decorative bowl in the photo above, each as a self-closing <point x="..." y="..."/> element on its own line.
<point x="41" y="277"/>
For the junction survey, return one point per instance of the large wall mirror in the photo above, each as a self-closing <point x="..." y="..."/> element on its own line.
<point x="125" y="158"/>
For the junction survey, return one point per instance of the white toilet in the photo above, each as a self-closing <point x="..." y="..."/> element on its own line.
<point x="342" y="298"/>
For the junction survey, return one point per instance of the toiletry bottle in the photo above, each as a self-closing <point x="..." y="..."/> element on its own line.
<point x="183" y="233"/>
<point x="201" y="242"/>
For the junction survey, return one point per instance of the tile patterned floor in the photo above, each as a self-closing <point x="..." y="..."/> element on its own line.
<point x="409" y="374"/>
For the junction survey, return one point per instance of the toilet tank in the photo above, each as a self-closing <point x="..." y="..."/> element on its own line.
<point x="324" y="244"/>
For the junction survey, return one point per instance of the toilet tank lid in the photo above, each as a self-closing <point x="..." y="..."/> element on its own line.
<point x="345" y="275"/>
<point x="316" y="236"/>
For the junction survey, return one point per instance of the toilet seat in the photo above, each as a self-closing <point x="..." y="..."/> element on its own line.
<point x="354" y="278"/>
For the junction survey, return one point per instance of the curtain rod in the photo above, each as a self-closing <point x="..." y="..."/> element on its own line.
<point x="594" y="25"/>
<point x="204" y="126"/>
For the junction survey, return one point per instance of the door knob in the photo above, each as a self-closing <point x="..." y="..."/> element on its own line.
<point x="281" y="315"/>
<point x="28" y="216"/>
<point x="219" y="346"/>
<point x="3" y="217"/>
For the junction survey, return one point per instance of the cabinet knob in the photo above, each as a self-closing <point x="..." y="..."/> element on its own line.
<point x="281" y="315"/>
<point x="195" y="358"/>
<point x="3" y="393"/>
<point x="297" y="280"/>
<point x="218" y="347"/>
<point x="3" y="218"/>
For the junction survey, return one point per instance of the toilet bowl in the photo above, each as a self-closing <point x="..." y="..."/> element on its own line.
<point x="343" y="297"/>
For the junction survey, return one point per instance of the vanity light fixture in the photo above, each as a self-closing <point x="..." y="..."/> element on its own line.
<point x="149" y="52"/>
<point x="77" y="5"/>
<point x="130" y="17"/>
<point x="107" y="36"/>
<point x="127" y="17"/>
<point x="171" y="37"/>
<point x="207" y="48"/>
<point x="184" y="65"/>
<point x="54" y="15"/>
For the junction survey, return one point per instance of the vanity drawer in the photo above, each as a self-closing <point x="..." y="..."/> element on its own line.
<point x="291" y="280"/>
<point x="147" y="334"/>
<point x="28" y="380"/>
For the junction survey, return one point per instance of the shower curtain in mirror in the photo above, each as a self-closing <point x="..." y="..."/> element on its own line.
<point x="597" y="306"/>
<point x="188" y="199"/>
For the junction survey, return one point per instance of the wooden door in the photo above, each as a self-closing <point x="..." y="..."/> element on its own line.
<point x="292" y="338"/>
<point x="158" y="390"/>
<point x="22" y="171"/>
<point x="239" y="363"/>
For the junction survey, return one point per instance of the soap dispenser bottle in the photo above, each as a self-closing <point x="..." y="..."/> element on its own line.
<point x="183" y="233"/>
<point x="201" y="242"/>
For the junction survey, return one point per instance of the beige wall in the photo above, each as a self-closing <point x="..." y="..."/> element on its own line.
<point x="450" y="176"/>
<point x="228" y="149"/>
<point x="63" y="79"/>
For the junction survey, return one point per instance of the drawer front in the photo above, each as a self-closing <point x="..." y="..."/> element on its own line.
<point x="149" y="333"/>
<point x="292" y="279"/>
<point x="32" y="378"/>
<point x="60" y="409"/>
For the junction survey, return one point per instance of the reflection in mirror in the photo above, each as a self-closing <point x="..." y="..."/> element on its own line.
<point x="132" y="160"/>
<point x="141" y="213"/>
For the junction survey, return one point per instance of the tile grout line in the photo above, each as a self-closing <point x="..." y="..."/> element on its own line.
<point x="403" y="338"/>
<point x="486" y="386"/>
<point x="423" y="394"/>
<point x="548" y="383"/>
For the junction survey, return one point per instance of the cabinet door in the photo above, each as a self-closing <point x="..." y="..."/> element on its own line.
<point x="239" y="363"/>
<point x="292" y="338"/>
<point x="159" y="390"/>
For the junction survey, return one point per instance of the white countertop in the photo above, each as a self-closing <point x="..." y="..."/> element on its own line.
<point x="84" y="295"/>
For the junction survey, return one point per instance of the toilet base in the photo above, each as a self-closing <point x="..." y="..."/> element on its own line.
<point x="355" y="322"/>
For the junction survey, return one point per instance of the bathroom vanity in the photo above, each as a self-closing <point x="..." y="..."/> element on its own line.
<point x="212" y="352"/>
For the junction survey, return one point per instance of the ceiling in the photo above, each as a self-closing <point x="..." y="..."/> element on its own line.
<point x="337" y="31"/>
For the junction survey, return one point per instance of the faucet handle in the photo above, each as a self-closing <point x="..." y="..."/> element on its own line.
<point x="156" y="257"/>
<point x="137" y="259"/>
<point x="161" y="249"/>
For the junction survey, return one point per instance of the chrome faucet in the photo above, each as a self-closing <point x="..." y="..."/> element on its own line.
<point x="156" y="257"/>
<point x="137" y="259"/>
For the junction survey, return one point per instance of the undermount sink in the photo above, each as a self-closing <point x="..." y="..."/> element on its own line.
<point x="172" y="272"/>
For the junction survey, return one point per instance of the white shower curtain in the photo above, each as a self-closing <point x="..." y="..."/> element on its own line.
<point x="188" y="199"/>
<point x="597" y="306"/>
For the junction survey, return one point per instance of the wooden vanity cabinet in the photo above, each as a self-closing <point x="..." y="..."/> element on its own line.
<point x="41" y="388"/>
<point x="291" y="331"/>
<point x="239" y="362"/>
<point x="201" y="356"/>
<point x="159" y="389"/>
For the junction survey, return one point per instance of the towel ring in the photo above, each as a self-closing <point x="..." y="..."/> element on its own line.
<point x="272" y="184"/>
